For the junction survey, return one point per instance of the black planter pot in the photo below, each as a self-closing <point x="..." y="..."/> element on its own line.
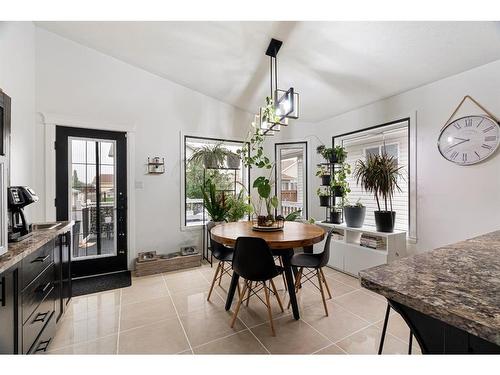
<point x="333" y="158"/>
<point x="325" y="180"/>
<point x="338" y="191"/>
<point x="336" y="217"/>
<point x="324" y="200"/>
<point x="384" y="221"/>
<point x="354" y="216"/>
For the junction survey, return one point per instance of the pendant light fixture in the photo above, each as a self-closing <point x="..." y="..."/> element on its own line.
<point x="281" y="105"/>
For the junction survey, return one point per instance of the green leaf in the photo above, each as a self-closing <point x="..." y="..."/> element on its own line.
<point x="264" y="190"/>
<point x="274" y="200"/>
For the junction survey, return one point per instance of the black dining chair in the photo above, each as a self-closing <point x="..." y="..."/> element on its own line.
<point x="224" y="255"/>
<point x="313" y="265"/>
<point x="254" y="262"/>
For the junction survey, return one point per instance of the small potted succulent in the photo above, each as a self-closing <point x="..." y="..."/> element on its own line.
<point x="354" y="214"/>
<point x="324" y="196"/>
<point x="324" y="174"/>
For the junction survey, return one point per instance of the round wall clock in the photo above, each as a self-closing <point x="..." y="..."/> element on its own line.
<point x="469" y="140"/>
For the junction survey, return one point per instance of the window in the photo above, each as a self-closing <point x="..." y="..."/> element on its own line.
<point x="227" y="180"/>
<point x="291" y="177"/>
<point x="392" y="138"/>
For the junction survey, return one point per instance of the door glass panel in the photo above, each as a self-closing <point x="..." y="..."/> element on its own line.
<point x="92" y="196"/>
<point x="292" y="181"/>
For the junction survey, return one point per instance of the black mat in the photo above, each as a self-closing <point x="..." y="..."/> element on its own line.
<point x="101" y="283"/>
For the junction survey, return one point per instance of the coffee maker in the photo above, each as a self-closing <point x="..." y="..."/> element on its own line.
<point x="19" y="197"/>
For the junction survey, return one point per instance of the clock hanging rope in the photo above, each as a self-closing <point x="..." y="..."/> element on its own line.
<point x="470" y="139"/>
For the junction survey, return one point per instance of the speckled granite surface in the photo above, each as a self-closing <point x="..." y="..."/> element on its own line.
<point x="19" y="250"/>
<point x="458" y="284"/>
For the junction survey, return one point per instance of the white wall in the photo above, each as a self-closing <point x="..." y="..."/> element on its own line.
<point x="83" y="83"/>
<point x="454" y="202"/>
<point x="17" y="79"/>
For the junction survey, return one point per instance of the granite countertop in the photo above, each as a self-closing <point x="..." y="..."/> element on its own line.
<point x="458" y="284"/>
<point x="19" y="250"/>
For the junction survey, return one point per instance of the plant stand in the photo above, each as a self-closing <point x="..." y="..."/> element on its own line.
<point x="331" y="167"/>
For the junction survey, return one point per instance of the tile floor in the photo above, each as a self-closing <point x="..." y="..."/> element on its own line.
<point x="169" y="314"/>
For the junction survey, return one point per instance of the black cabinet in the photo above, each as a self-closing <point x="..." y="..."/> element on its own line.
<point x="9" y="311"/>
<point x="62" y="284"/>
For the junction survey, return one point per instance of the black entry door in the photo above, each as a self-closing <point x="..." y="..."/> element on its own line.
<point x="91" y="189"/>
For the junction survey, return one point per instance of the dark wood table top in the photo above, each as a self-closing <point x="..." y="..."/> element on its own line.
<point x="293" y="235"/>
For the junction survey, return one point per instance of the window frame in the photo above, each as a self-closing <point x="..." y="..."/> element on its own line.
<point x="184" y="138"/>
<point x="411" y="233"/>
<point x="380" y="149"/>
<point x="305" y="200"/>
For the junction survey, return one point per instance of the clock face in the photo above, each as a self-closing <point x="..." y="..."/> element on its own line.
<point x="469" y="140"/>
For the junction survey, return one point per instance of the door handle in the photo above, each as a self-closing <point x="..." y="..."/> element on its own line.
<point x="40" y="317"/>
<point x="43" y="345"/>
<point x="3" y="291"/>
<point x="41" y="259"/>
<point x="44" y="289"/>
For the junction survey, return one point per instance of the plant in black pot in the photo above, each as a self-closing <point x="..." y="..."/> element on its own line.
<point x="324" y="196"/>
<point x="339" y="184"/>
<point x="379" y="175"/>
<point x="336" y="213"/>
<point x="354" y="214"/>
<point x="336" y="154"/>
<point x="325" y="175"/>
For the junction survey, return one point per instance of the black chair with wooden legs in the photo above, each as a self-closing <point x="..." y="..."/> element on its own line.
<point x="384" y="329"/>
<point x="313" y="265"/>
<point x="254" y="263"/>
<point x="224" y="255"/>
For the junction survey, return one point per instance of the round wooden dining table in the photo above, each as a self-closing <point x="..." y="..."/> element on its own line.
<point x="281" y="243"/>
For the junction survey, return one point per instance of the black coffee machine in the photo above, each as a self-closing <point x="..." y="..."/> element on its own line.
<point x="19" y="197"/>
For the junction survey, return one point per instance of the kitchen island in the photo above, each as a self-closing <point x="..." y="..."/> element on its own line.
<point x="449" y="297"/>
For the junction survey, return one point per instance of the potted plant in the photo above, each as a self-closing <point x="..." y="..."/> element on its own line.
<point x="336" y="216"/>
<point x="215" y="202"/>
<point x="324" y="196"/>
<point x="263" y="186"/>
<point x="379" y="175"/>
<point x="211" y="156"/>
<point x="239" y="206"/>
<point x="339" y="184"/>
<point x="336" y="154"/>
<point x="354" y="214"/>
<point x="233" y="160"/>
<point x="324" y="174"/>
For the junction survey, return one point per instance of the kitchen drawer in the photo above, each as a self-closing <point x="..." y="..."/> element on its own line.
<point x="36" y="322"/>
<point x="36" y="262"/>
<point x="43" y="341"/>
<point x="37" y="291"/>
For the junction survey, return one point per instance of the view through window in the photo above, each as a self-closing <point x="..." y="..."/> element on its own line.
<point x="393" y="139"/>
<point x="227" y="180"/>
<point x="291" y="177"/>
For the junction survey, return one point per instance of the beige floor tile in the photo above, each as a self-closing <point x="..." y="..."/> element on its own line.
<point x="364" y="305"/>
<point x="367" y="341"/>
<point x="104" y="345"/>
<point x="351" y="281"/>
<point x="193" y="300"/>
<point x="240" y="343"/>
<point x="204" y="326"/>
<point x="87" y="307"/>
<point x="146" y="312"/>
<point x="165" y="337"/>
<point x="398" y="328"/>
<point x="139" y="293"/>
<point x="71" y="332"/>
<point x="148" y="280"/>
<point x="256" y="312"/>
<point x="339" y="323"/>
<point x="332" y="349"/>
<point x="188" y="281"/>
<point x="292" y="337"/>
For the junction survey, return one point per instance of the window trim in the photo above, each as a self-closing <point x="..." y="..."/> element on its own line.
<point x="411" y="234"/>
<point x="184" y="138"/>
<point x="306" y="176"/>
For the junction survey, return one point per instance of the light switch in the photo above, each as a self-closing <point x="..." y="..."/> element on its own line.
<point x="139" y="184"/>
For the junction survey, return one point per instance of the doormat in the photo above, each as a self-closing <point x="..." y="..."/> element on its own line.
<point x="101" y="283"/>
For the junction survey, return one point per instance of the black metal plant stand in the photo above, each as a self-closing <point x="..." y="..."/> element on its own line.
<point x="331" y="167"/>
<point x="206" y="251"/>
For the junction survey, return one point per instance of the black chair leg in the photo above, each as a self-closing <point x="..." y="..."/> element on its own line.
<point x="384" y="329"/>
<point x="410" y="343"/>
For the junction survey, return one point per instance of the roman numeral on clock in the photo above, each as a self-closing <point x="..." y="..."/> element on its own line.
<point x="479" y="157"/>
<point x="488" y="147"/>
<point x="457" y="125"/>
<point x="464" y="157"/>
<point x="489" y="128"/>
<point x="468" y="122"/>
<point x="453" y="155"/>
<point x="490" y="138"/>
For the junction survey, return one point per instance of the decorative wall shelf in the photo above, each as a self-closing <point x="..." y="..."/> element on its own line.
<point x="155" y="165"/>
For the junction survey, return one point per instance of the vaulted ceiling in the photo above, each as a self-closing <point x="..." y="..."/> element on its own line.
<point x="335" y="66"/>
